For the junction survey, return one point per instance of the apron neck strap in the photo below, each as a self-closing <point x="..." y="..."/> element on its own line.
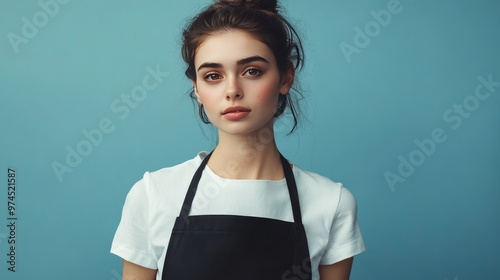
<point x="290" y="181"/>
<point x="292" y="190"/>
<point x="188" y="200"/>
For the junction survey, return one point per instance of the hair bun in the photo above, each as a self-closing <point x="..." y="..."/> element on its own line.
<point x="266" y="5"/>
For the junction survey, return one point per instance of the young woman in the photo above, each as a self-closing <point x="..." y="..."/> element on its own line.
<point x="241" y="211"/>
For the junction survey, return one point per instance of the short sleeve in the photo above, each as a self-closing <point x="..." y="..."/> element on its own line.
<point x="345" y="238"/>
<point x="131" y="241"/>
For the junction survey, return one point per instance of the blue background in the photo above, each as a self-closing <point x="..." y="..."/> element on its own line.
<point x="364" y="113"/>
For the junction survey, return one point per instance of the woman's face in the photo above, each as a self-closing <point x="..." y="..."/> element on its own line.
<point x="238" y="82"/>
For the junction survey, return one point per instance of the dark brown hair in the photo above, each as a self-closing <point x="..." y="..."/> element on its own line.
<point x="261" y="19"/>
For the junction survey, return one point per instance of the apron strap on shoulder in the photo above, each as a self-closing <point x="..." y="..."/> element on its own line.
<point x="193" y="186"/>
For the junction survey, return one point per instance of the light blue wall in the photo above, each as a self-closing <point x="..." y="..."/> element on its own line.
<point x="368" y="101"/>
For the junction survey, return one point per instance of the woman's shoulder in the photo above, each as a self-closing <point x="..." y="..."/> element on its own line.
<point x="319" y="188"/>
<point x="325" y="201"/>
<point x="171" y="176"/>
<point x="187" y="166"/>
<point x="315" y="180"/>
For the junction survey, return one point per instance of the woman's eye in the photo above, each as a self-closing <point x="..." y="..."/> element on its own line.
<point x="253" y="72"/>
<point x="212" y="76"/>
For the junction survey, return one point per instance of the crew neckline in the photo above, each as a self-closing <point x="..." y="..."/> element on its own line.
<point x="211" y="173"/>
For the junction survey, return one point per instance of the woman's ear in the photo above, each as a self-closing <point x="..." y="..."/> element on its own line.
<point x="287" y="79"/>
<point x="195" y="89"/>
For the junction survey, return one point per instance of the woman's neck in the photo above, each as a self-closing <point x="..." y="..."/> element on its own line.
<point x="253" y="157"/>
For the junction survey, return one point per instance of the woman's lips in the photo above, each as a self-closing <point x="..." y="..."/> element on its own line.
<point x="234" y="113"/>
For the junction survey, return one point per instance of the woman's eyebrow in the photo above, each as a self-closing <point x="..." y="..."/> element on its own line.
<point x="239" y="62"/>
<point x="251" y="59"/>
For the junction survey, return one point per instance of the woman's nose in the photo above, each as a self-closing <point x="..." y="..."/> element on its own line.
<point x="233" y="90"/>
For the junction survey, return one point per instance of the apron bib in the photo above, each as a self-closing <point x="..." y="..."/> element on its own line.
<point x="232" y="247"/>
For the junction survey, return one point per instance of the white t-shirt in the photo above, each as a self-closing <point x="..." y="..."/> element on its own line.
<point x="152" y="205"/>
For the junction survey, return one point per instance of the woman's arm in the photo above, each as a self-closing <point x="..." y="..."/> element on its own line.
<point x="337" y="271"/>
<point x="132" y="271"/>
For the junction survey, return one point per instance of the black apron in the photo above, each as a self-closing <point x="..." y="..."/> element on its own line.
<point x="232" y="247"/>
